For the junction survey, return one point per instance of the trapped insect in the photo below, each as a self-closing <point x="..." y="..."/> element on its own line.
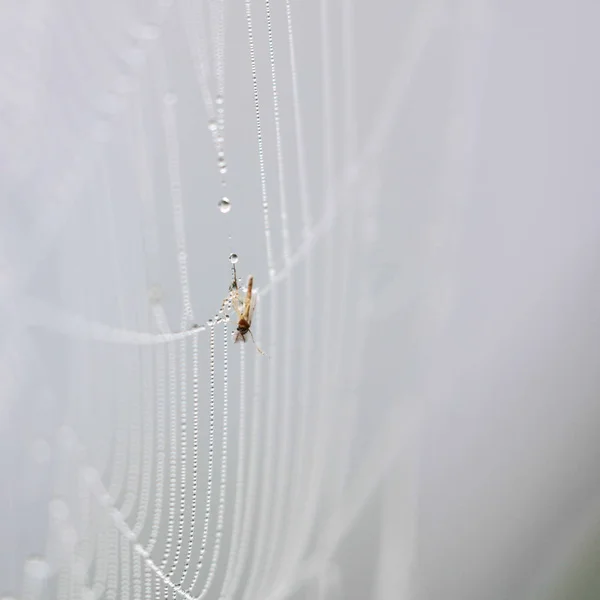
<point x="245" y="315"/>
<point x="244" y="309"/>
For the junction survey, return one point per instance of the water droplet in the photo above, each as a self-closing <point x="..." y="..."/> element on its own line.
<point x="224" y="205"/>
<point x="223" y="170"/>
<point x="219" y="100"/>
<point x="233" y="258"/>
<point x="37" y="567"/>
<point x="221" y="160"/>
<point x="210" y="322"/>
<point x="220" y="139"/>
<point x="170" y="99"/>
<point x="212" y="125"/>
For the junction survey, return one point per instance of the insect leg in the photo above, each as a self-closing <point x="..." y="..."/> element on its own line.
<point x="257" y="346"/>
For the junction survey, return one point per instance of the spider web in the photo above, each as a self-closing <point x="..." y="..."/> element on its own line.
<point x="165" y="461"/>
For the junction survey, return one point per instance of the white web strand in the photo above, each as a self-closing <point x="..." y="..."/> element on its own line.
<point x="148" y="428"/>
<point x="223" y="475"/>
<point x="160" y="369"/>
<point x="261" y="157"/>
<point x="174" y="176"/>
<point x="230" y="592"/>
<point x="195" y="425"/>
<point x="211" y="449"/>
<point x="173" y="452"/>
<point x="238" y="509"/>
<point x="268" y="483"/>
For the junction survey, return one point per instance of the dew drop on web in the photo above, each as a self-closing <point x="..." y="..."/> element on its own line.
<point x="224" y="205"/>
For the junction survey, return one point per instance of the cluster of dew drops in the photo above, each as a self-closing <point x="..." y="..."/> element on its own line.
<point x="216" y="128"/>
<point x="222" y="315"/>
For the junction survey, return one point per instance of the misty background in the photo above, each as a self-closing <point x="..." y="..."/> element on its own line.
<point x="425" y="423"/>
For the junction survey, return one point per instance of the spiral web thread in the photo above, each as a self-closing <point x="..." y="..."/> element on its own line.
<point x="182" y="465"/>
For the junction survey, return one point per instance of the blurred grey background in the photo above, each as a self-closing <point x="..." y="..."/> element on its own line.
<point x="425" y="423"/>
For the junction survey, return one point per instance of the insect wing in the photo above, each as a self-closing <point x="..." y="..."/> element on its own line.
<point x="251" y="308"/>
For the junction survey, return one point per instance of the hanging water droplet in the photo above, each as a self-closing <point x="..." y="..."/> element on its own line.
<point x="224" y="205"/>
<point x="221" y="161"/>
<point x="233" y="258"/>
<point x="210" y="322"/>
<point x="212" y="125"/>
<point x="219" y="99"/>
<point x="223" y="169"/>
